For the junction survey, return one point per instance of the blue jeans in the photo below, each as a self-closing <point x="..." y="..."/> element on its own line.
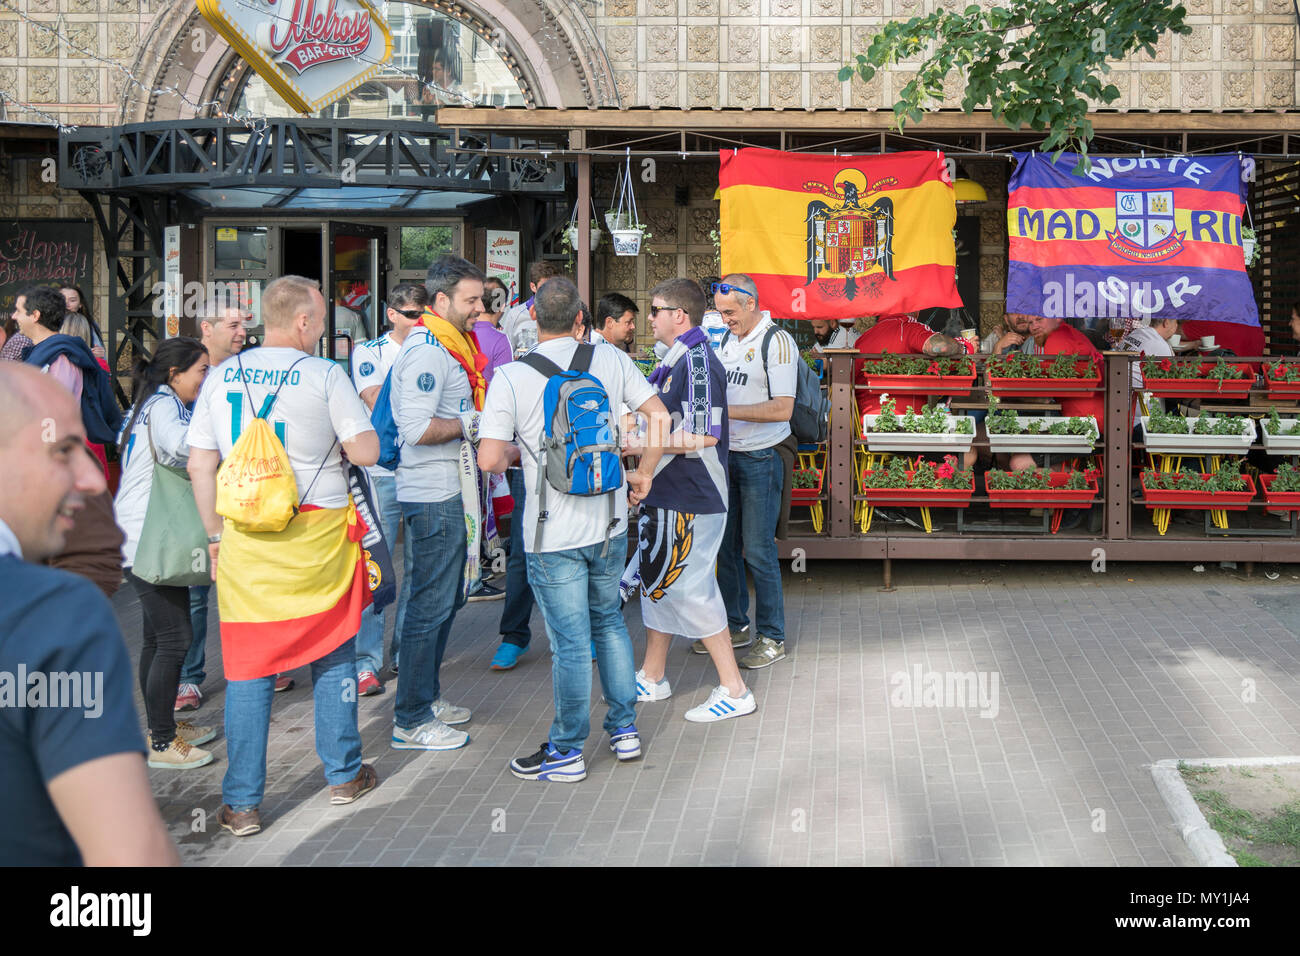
<point x="436" y="535"/>
<point x="192" y="671"/>
<point x="370" y="639"/>
<point x="518" y="606"/>
<point x="578" y="594"/>
<point x="754" y="481"/>
<point x="248" y="721"/>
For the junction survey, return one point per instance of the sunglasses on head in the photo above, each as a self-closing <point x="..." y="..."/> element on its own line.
<point x="724" y="288"/>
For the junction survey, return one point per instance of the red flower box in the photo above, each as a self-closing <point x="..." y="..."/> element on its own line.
<point x="808" y="495"/>
<point x="1203" y="387"/>
<point x="921" y="384"/>
<point x="918" y="497"/>
<point x="1278" y="389"/>
<point x="1198" y="500"/>
<point x="1279" y="500"/>
<point x="1047" y="387"/>
<point x="1054" y="497"/>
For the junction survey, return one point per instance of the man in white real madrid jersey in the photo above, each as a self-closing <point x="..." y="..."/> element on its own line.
<point x="829" y="334"/>
<point x="760" y="400"/>
<point x="430" y="390"/>
<point x="370" y="364"/>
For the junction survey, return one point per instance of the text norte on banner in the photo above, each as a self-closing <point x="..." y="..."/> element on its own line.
<point x="311" y="52"/>
<point x="1133" y="237"/>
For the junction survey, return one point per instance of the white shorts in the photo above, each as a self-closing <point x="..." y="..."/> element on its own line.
<point x="679" y="582"/>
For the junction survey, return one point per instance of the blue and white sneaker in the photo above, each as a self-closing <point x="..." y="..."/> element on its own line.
<point x="649" y="691"/>
<point x="719" y="706"/>
<point x="625" y="743"/>
<point x="550" y="764"/>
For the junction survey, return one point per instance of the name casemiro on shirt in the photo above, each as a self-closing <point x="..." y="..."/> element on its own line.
<point x="261" y="376"/>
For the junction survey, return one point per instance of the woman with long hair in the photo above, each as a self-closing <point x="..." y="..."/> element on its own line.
<point x="163" y="392"/>
<point x="77" y="302"/>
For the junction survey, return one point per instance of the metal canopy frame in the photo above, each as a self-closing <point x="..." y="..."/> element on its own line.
<point x="304" y="154"/>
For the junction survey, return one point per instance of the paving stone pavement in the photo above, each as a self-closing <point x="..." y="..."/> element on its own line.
<point x="1097" y="676"/>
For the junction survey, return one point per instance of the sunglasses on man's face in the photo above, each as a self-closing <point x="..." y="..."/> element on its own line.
<point x="409" y="313"/>
<point x="724" y="289"/>
<point x="656" y="309"/>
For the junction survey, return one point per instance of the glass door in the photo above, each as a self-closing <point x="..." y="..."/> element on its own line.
<point x="355" y="284"/>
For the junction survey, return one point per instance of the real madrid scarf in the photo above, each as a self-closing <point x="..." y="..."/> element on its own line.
<point x="464" y="349"/>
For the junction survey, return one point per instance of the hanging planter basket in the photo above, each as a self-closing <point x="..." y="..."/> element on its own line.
<point x="625" y="227"/>
<point x="571" y="231"/>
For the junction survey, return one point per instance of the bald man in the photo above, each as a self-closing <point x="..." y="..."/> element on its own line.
<point x="76" y="790"/>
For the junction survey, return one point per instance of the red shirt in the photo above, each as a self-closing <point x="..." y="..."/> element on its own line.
<point x="897" y="335"/>
<point x="1069" y="339"/>
<point x="1241" y="339"/>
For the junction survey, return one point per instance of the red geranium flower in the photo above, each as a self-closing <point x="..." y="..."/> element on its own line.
<point x="944" y="471"/>
<point x="1166" y="365"/>
<point x="934" y="368"/>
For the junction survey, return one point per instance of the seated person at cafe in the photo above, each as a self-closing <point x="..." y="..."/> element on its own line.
<point x="828" y="334"/>
<point x="900" y="335"/>
<point x="1012" y="336"/>
<point x="1233" y="338"/>
<point x="1055" y="337"/>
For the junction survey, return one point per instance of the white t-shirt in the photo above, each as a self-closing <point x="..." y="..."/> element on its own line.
<point x="513" y="412"/>
<point x="1144" y="339"/>
<point x="748" y="385"/>
<point x="315" y="412"/>
<point x="370" y="364"/>
<point x="516" y="320"/>
<point x="164" y="416"/>
<point x="428" y="383"/>
<point x="842" y="338"/>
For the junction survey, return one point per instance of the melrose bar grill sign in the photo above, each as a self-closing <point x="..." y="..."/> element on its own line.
<point x="312" y="52"/>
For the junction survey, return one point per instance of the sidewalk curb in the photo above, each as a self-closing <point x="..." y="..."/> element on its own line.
<point x="1202" y="839"/>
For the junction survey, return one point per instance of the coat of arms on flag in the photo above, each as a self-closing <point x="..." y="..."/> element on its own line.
<point x="847" y="239"/>
<point x="837" y="237"/>
<point x="1144" y="226"/>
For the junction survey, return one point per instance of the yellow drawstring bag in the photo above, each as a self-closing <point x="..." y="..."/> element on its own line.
<point x="256" y="489"/>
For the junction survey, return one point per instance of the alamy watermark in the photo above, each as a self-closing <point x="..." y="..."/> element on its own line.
<point x="946" y="689"/>
<point x="69" y="690"/>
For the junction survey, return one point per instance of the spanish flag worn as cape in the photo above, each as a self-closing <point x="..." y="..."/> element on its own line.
<point x="839" y="237"/>
<point x="464" y="349"/>
<point x="290" y="597"/>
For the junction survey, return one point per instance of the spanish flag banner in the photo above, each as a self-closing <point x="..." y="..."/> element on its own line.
<point x="840" y="237"/>
<point x="290" y="597"/>
<point x="1132" y="238"/>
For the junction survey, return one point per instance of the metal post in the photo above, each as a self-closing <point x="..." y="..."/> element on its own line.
<point x="839" y="448"/>
<point x="584" y="228"/>
<point x="1118" y="432"/>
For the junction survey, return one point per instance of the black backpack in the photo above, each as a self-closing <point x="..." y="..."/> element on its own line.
<point x="810" y="422"/>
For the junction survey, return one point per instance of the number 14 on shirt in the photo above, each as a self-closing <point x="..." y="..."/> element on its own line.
<point x="236" y="400"/>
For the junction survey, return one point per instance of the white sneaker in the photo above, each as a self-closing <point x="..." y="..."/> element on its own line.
<point x="450" y="714"/>
<point x="435" y="735"/>
<point x="719" y="706"/>
<point x="648" y="691"/>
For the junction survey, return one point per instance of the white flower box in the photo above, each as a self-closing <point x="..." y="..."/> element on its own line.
<point x="1199" y="444"/>
<point x="1280" y="444"/>
<point x="1044" y="443"/>
<point x="947" y="441"/>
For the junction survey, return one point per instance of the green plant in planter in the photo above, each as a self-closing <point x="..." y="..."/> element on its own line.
<point x="890" y="364"/>
<point x="1284" y="372"/>
<point x="1029" y="479"/>
<point x="1189" y="368"/>
<point x="1001" y="421"/>
<point x="1166" y="423"/>
<point x="1275" y="426"/>
<point x="806" y="478"/>
<point x="927" y="475"/>
<point x="886" y="420"/>
<point x="1227" y="425"/>
<point x="1287" y="479"/>
<point x="1222" y="370"/>
<point x="1227" y="478"/>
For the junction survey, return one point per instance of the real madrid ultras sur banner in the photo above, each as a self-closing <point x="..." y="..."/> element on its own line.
<point x="839" y="237"/>
<point x="1132" y="238"/>
<point x="311" y="52"/>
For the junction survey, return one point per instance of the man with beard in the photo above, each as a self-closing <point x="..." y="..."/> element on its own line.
<point x="828" y="334"/>
<point x="436" y="378"/>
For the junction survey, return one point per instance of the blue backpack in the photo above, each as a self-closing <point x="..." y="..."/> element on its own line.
<point x="579" y="451"/>
<point x="381" y="419"/>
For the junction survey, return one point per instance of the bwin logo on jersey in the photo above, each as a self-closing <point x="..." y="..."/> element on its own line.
<point x="737" y="377"/>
